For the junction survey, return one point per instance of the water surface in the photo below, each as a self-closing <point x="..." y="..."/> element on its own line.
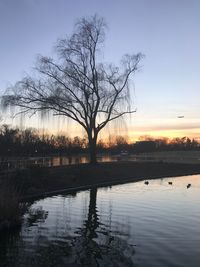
<point x="126" y="225"/>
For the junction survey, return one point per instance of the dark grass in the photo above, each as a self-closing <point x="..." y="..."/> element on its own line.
<point x="11" y="207"/>
<point x="40" y="181"/>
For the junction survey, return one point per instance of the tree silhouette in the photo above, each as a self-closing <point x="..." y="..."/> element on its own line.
<point x="76" y="84"/>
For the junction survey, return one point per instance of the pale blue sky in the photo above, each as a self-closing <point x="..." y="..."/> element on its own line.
<point x="166" y="31"/>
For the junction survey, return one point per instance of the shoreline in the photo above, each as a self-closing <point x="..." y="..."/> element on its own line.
<point x="72" y="190"/>
<point x="26" y="186"/>
<point x="41" y="182"/>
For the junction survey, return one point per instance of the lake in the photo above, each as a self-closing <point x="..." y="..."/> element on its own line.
<point x="124" y="225"/>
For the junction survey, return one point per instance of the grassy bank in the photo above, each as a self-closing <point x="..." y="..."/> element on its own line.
<point x="39" y="181"/>
<point x="11" y="208"/>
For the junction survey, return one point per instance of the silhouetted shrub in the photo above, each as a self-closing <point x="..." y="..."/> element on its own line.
<point x="11" y="209"/>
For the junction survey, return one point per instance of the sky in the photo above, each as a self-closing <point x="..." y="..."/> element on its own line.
<point x="166" y="31"/>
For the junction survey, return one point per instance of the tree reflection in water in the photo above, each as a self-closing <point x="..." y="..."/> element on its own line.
<point x="93" y="244"/>
<point x="91" y="250"/>
<point x="12" y="252"/>
<point x="36" y="215"/>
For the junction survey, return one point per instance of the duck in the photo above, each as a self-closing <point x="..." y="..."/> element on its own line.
<point x="170" y="183"/>
<point x="146" y="182"/>
<point x="189" y="185"/>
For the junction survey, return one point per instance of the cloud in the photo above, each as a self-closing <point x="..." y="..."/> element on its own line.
<point x="160" y="126"/>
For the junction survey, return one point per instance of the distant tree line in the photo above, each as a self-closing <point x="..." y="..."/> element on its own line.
<point x="118" y="144"/>
<point x="30" y="142"/>
<point x="150" y="144"/>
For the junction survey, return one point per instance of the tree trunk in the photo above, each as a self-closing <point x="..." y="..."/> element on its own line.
<point x="92" y="149"/>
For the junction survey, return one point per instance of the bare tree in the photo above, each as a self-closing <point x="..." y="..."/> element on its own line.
<point x="76" y="85"/>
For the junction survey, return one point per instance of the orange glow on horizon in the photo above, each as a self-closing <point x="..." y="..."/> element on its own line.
<point x="152" y="127"/>
<point x="134" y="136"/>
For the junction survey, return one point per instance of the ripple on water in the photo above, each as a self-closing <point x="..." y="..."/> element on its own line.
<point x="155" y="225"/>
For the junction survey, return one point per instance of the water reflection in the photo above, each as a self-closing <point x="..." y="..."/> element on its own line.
<point x="36" y="215"/>
<point x="91" y="244"/>
<point x="21" y="163"/>
<point x="155" y="225"/>
<point x="108" y="251"/>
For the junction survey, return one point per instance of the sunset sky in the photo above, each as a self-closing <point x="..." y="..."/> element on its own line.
<point x="166" y="31"/>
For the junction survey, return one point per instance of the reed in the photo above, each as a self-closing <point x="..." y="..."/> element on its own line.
<point x="11" y="209"/>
